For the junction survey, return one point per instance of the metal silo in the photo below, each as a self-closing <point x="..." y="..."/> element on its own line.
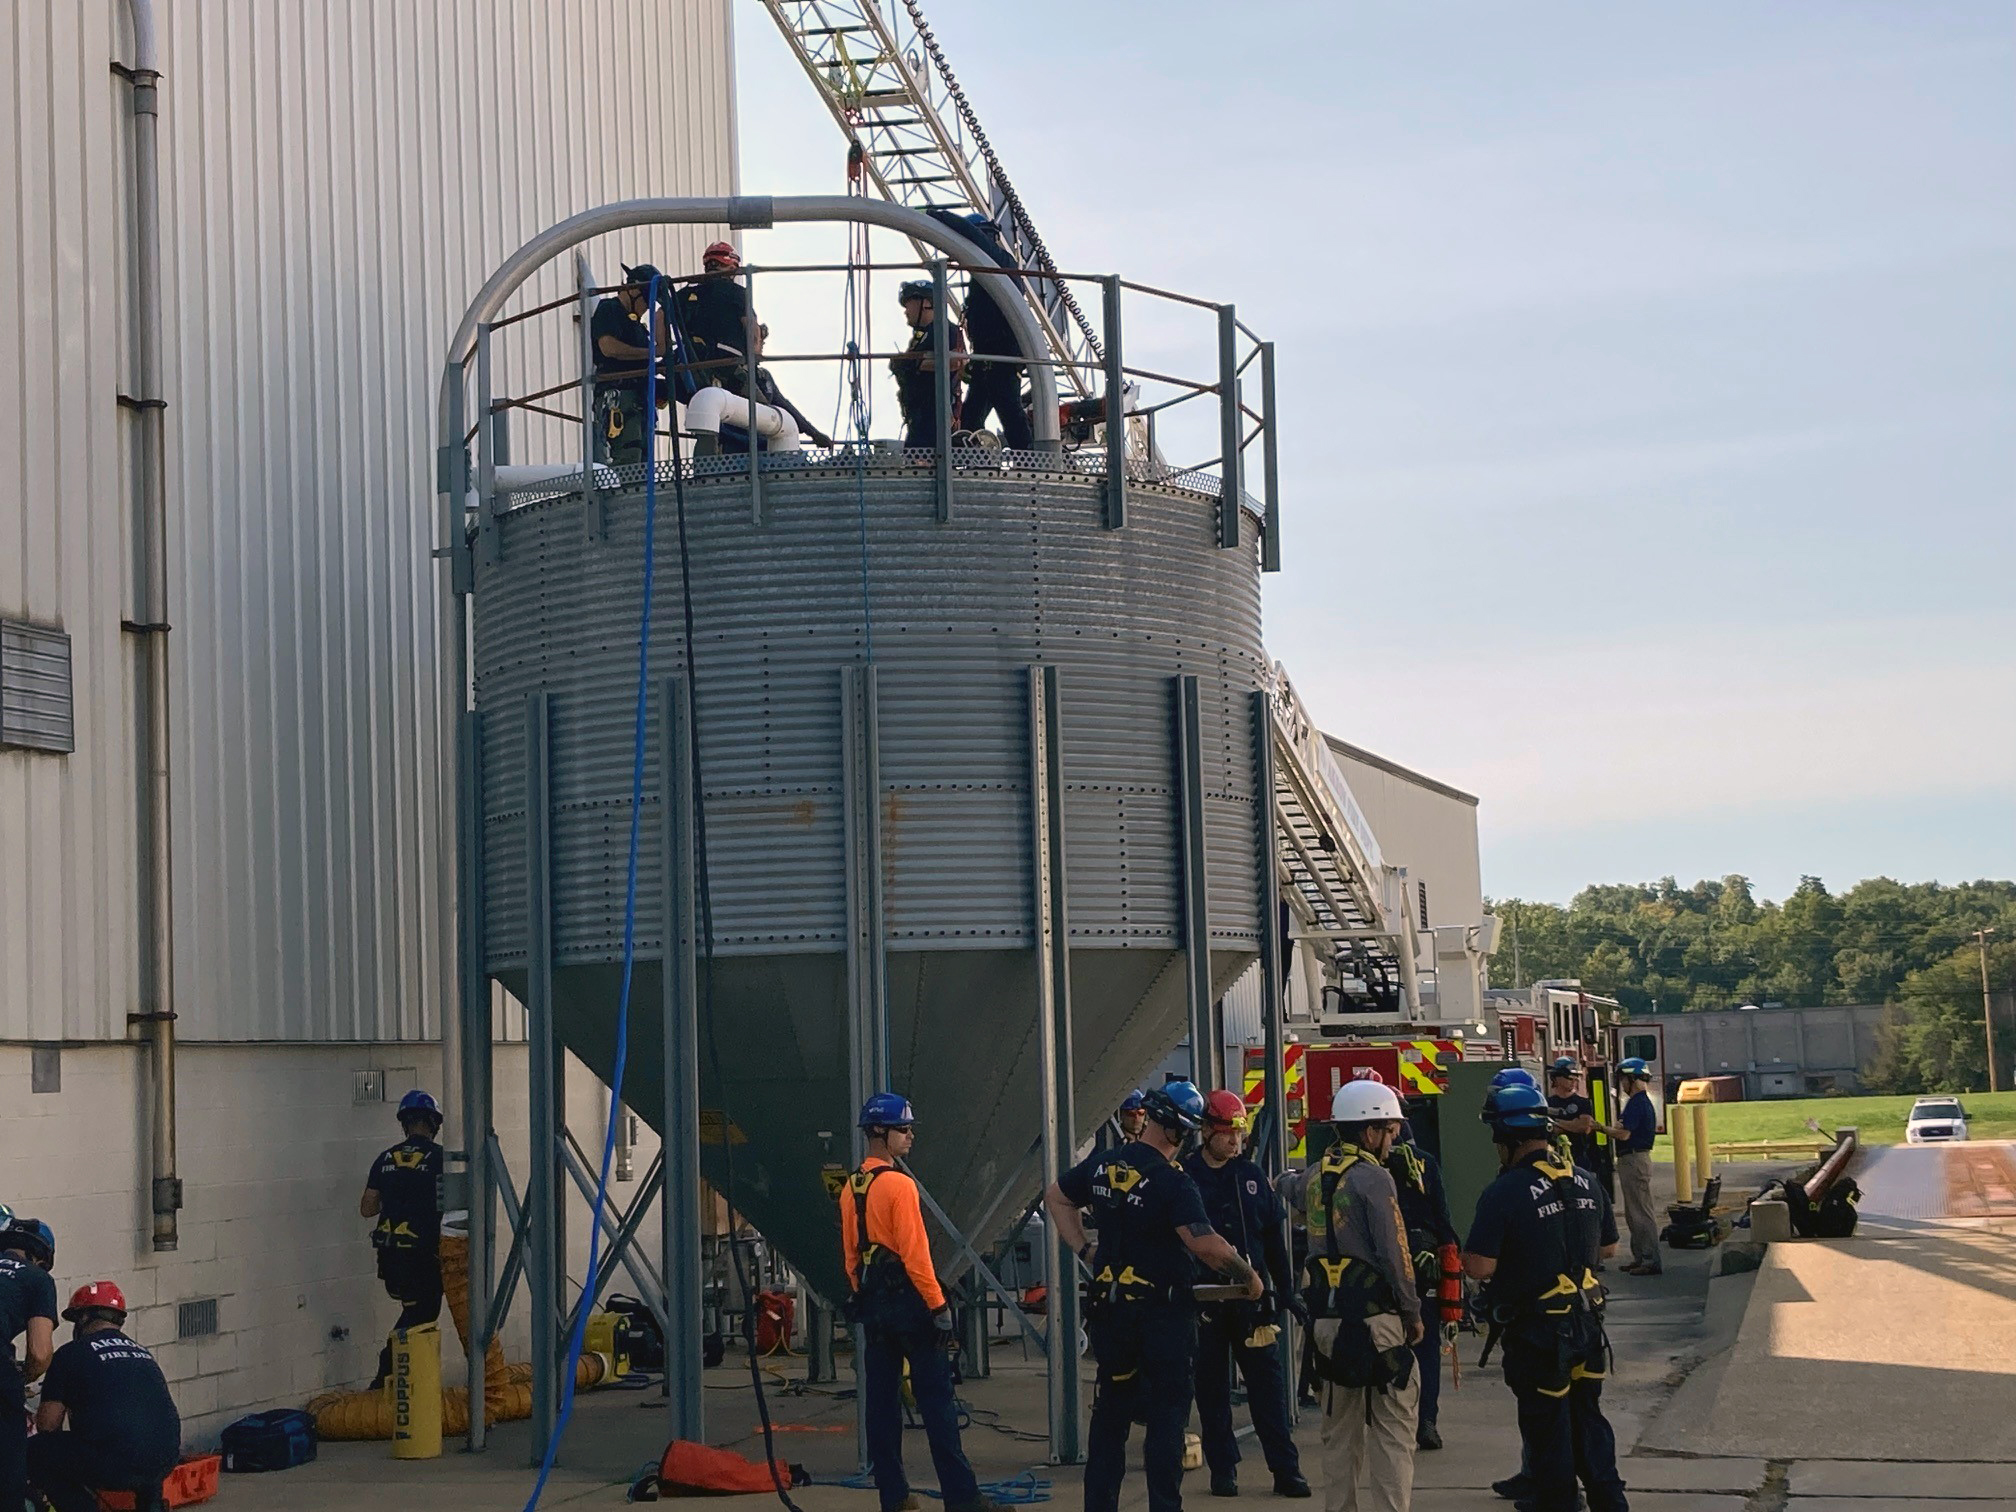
<point x="957" y="777"/>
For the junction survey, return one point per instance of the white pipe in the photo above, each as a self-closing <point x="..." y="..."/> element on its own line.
<point x="152" y="622"/>
<point x="707" y="409"/>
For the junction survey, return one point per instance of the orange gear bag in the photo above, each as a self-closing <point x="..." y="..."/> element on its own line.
<point x="690" y="1469"/>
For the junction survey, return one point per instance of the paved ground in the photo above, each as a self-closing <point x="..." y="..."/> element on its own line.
<point x="1871" y="1375"/>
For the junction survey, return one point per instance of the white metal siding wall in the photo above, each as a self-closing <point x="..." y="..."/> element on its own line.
<point x="68" y="916"/>
<point x="337" y="180"/>
<point x="1430" y="833"/>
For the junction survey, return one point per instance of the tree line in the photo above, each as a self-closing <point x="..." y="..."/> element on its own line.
<point x="1662" y="948"/>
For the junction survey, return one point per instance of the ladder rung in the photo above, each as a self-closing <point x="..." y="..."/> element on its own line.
<point x="935" y="178"/>
<point x="833" y="31"/>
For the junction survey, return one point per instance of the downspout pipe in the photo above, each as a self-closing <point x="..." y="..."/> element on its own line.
<point x="158" y="1001"/>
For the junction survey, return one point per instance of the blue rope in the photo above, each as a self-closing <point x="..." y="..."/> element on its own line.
<point x="578" y="1336"/>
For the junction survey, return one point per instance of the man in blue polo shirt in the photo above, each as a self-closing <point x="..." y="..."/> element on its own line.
<point x="1634" y="1166"/>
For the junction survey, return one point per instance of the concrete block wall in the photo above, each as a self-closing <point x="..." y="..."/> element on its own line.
<point x="273" y="1154"/>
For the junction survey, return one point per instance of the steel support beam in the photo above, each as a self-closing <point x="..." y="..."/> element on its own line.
<point x="679" y="1209"/>
<point x="1274" y="1106"/>
<point x="1116" y="413"/>
<point x="867" y="980"/>
<point x="941" y="380"/>
<point x="490" y="546"/>
<point x="473" y="1006"/>
<point x="1204" y="1054"/>
<point x="819" y="1364"/>
<point x="543" y="1253"/>
<point x="1054" y="1046"/>
<point x="621" y="1234"/>
<point x="1231" y="428"/>
<point x="1270" y="462"/>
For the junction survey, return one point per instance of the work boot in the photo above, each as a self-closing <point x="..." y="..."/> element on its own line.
<point x="1513" y="1487"/>
<point x="1426" y="1437"/>
<point x="1224" y="1485"/>
<point x="1291" y="1483"/>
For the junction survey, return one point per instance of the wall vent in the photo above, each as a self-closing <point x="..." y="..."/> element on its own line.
<point x="35" y="705"/>
<point x="196" y="1320"/>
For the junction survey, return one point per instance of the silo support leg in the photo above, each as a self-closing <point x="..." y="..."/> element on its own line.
<point x="679" y="1205"/>
<point x="1054" y="1041"/>
<point x="1204" y="1050"/>
<point x="543" y="1061"/>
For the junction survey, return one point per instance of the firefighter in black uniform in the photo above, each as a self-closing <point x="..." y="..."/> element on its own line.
<point x="27" y="1307"/>
<point x="403" y="1192"/>
<point x="1431" y="1233"/>
<point x="714" y="313"/>
<point x="1541" y="1229"/>
<point x="1242" y="1206"/>
<point x="107" y="1421"/>
<point x="1141" y="1314"/>
<point x="992" y="384"/>
<point x="915" y="368"/>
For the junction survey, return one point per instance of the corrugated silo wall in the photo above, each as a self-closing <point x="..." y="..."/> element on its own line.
<point x="336" y="181"/>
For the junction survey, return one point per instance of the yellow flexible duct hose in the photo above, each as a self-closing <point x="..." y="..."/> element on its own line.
<point x="350" y="1416"/>
<point x="507" y="1388"/>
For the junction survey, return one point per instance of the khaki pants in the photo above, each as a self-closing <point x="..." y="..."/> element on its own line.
<point x="1368" y="1438"/>
<point x="1634" y="1177"/>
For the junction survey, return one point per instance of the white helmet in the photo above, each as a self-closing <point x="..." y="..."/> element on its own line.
<point x="1364" y="1102"/>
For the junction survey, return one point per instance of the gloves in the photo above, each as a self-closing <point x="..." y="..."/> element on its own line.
<point x="948" y="1338"/>
<point x="819" y="438"/>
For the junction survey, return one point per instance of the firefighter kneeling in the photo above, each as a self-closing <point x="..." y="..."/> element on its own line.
<point x="1540" y="1231"/>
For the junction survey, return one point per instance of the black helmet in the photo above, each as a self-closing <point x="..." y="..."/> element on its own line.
<point x="33" y="1238"/>
<point x="917" y="288"/>
<point x="640" y="276"/>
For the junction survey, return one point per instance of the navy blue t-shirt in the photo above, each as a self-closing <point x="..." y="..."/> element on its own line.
<point x="1642" y="1119"/>
<point x="25" y="1292"/>
<point x="1517" y="1224"/>
<point x="1143" y="1202"/>
<point x="407" y="1180"/>
<point x="118" y="1403"/>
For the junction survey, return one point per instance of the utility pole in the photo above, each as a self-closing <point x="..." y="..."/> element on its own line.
<point x="1987" y="1005"/>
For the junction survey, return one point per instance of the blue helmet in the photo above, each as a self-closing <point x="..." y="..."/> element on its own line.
<point x="1514" y="1076"/>
<point x="1134" y="1101"/>
<point x="1633" y="1066"/>
<point x="418" y="1104"/>
<point x="887" y="1110"/>
<point x="1518" y="1109"/>
<point x="1564" y="1065"/>
<point x="1178" y="1106"/>
<point x="33" y="1238"/>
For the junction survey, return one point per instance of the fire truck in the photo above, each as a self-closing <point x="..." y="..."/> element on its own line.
<point x="1415" y="1068"/>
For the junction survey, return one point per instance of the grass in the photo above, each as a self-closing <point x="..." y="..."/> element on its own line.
<point x="1880" y="1120"/>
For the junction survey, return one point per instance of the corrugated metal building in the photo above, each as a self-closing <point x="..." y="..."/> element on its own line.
<point x="336" y="181"/>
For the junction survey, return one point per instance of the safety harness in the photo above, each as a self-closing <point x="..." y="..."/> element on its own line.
<point x="1116" y="1282"/>
<point x="884" y="1295"/>
<point x="1555" y="1338"/>
<point x="1348" y="1292"/>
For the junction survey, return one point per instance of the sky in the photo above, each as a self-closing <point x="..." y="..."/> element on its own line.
<point x="1648" y="386"/>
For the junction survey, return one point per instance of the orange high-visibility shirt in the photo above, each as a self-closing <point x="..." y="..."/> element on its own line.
<point x="896" y="1222"/>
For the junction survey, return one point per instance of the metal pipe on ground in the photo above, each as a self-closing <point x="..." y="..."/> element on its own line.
<point x="1846" y="1143"/>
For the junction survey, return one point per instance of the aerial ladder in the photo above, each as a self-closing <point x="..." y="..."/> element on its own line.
<point x="884" y="76"/>
<point x="880" y="70"/>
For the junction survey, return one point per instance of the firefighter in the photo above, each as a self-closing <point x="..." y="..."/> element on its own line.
<point x="27" y="1307"/>
<point x="1140" y="1314"/>
<point x="1242" y="1206"/>
<point x="1574" y="1114"/>
<point x="1541" y="1229"/>
<point x="1639" y="1133"/>
<point x="403" y="1192"/>
<point x="903" y="1314"/>
<point x="1424" y="1209"/>
<point x="1132" y="1116"/>
<point x="992" y="385"/>
<point x="107" y="1421"/>
<point x="915" y="368"/>
<point x="622" y="353"/>
<point x="714" y="314"/>
<point x="1364" y="1307"/>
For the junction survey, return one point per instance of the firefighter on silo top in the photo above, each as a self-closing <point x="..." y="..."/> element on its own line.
<point x="403" y="1192"/>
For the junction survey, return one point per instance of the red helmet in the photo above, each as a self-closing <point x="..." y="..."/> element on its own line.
<point x="721" y="254"/>
<point x="96" y="1296"/>
<point x="1225" y="1109"/>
